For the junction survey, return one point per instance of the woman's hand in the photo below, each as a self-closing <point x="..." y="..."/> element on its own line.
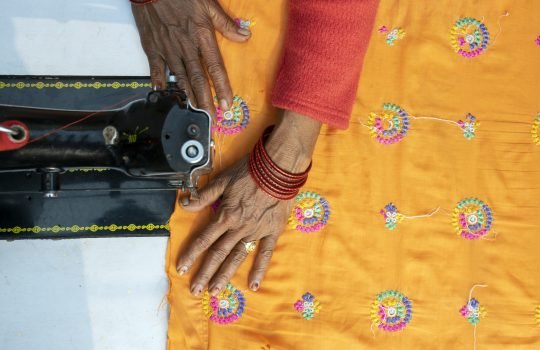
<point x="181" y="35"/>
<point x="246" y="213"/>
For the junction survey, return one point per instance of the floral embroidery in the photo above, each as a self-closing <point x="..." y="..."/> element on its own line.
<point x="538" y="315"/>
<point x="537" y="41"/>
<point x="310" y="213"/>
<point x="234" y="120"/>
<point x="391" y="216"/>
<point x="469" y="126"/>
<point x="244" y="23"/>
<point x="308" y="306"/>
<point x="391" y="311"/>
<point x="473" y="311"/>
<point x="227" y="307"/>
<point x="469" y="37"/>
<point x="392" y="35"/>
<point x="389" y="126"/>
<point x="535" y="131"/>
<point x="472" y="218"/>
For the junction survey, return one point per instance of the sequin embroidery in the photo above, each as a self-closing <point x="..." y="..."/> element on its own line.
<point x="233" y="120"/>
<point x="225" y="308"/>
<point x="469" y="126"/>
<point x="469" y="37"/>
<point x="308" y="306"/>
<point x="310" y="213"/>
<point x="535" y="131"/>
<point x="389" y="126"/>
<point x="473" y="311"/>
<point x="472" y="218"/>
<point x="392" y="35"/>
<point x="391" y="311"/>
<point x="391" y="215"/>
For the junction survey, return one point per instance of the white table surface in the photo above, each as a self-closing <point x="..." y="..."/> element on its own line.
<point x="84" y="293"/>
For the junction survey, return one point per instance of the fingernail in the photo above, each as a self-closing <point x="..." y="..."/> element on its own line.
<point x="223" y="105"/>
<point x="243" y="31"/>
<point x="184" y="201"/>
<point x="196" y="290"/>
<point x="215" y="290"/>
<point x="157" y="86"/>
<point x="254" y="286"/>
<point x="182" y="270"/>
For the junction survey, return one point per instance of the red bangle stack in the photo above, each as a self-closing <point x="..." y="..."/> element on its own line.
<point x="142" y="2"/>
<point x="269" y="177"/>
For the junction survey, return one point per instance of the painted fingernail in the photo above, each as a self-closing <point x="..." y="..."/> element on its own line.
<point x="243" y="31"/>
<point x="196" y="290"/>
<point x="223" y="104"/>
<point x="254" y="286"/>
<point x="182" y="270"/>
<point x="185" y="201"/>
<point x="215" y="290"/>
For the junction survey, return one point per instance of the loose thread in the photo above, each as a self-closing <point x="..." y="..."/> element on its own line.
<point x="435" y="211"/>
<point x="435" y="118"/>
<point x="468" y="303"/>
<point x="371" y="329"/>
<point x="506" y="14"/>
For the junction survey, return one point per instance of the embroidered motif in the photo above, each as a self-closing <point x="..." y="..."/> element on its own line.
<point x="234" y="120"/>
<point x="225" y="308"/>
<point x="244" y="23"/>
<point x="472" y="218"/>
<point x="391" y="311"/>
<point x="310" y="213"/>
<point x="389" y="126"/>
<point x="469" y="37"/>
<point x="537" y="41"/>
<point x="538" y="315"/>
<point x="391" y="216"/>
<point x="469" y="126"/>
<point x="392" y="35"/>
<point x="535" y="131"/>
<point x="308" y="306"/>
<point x="473" y="311"/>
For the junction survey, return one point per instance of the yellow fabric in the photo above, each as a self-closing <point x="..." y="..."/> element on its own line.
<point x="355" y="256"/>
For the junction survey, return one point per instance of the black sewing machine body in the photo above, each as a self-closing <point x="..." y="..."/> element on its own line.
<point x="93" y="173"/>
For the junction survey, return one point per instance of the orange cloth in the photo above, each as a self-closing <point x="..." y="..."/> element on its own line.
<point x="355" y="257"/>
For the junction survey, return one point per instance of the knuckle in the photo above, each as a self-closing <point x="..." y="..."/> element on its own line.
<point x="198" y="81"/>
<point x="237" y="256"/>
<point x="217" y="254"/>
<point x="201" y="241"/>
<point x="266" y="254"/>
<point x="216" y="70"/>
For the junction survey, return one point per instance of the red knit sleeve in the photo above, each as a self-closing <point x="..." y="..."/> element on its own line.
<point x="324" y="48"/>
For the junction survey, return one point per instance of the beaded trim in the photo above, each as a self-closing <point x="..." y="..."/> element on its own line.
<point x="469" y="126"/>
<point x="391" y="311"/>
<point x="234" y="120"/>
<point x="392" y="35"/>
<point x="469" y="37"/>
<point x="473" y="311"/>
<point x="310" y="213"/>
<point x="308" y="306"/>
<point x="389" y="126"/>
<point x="76" y="228"/>
<point x="76" y="85"/>
<point x="472" y="218"/>
<point x="535" y="131"/>
<point x="226" y="307"/>
<point x="391" y="215"/>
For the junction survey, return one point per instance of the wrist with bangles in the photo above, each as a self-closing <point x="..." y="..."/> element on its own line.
<point x="269" y="177"/>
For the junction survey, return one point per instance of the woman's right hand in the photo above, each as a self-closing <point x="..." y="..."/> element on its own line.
<point x="180" y="34"/>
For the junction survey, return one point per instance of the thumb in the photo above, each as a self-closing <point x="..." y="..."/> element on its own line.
<point x="208" y="195"/>
<point x="227" y="26"/>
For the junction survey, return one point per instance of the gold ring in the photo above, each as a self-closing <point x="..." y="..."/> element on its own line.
<point x="250" y="246"/>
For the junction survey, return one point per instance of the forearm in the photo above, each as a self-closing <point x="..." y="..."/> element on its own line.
<point x="293" y="140"/>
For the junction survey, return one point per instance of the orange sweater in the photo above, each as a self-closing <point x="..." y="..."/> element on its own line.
<point x="324" y="48"/>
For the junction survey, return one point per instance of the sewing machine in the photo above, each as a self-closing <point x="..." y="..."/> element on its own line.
<point x="111" y="166"/>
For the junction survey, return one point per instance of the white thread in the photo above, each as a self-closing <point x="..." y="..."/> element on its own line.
<point x="506" y="14"/>
<point x="468" y="303"/>
<point x="435" y="211"/>
<point x="371" y="328"/>
<point x="435" y="118"/>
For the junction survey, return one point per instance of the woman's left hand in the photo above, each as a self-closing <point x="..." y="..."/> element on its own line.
<point x="246" y="213"/>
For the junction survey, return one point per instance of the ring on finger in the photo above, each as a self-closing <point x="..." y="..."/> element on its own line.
<point x="249" y="246"/>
